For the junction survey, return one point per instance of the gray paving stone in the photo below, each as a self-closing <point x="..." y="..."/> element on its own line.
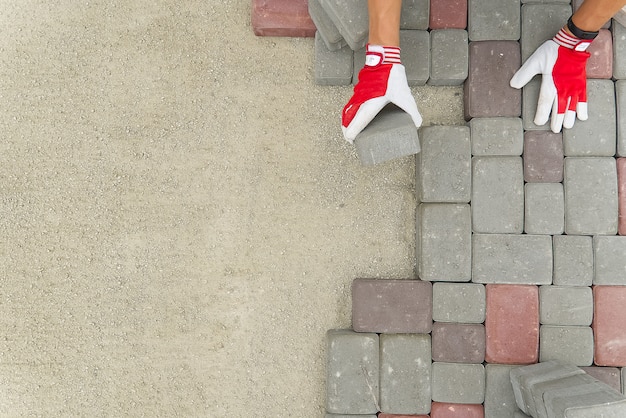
<point x="415" y="55"/>
<point x="565" y="305"/>
<point x="620" y="106"/>
<point x="511" y="259"/>
<point x="444" y="165"/>
<point x="458" y="383"/>
<point x="573" y="260"/>
<point x="610" y="260"/>
<point x="493" y="20"/>
<point x="591" y="204"/>
<point x="405" y="373"/>
<point x="497" y="136"/>
<point x="541" y="22"/>
<point x="459" y="302"/>
<point x="530" y="97"/>
<point x="595" y="137"/>
<point x="351" y="19"/>
<point x="391" y="134"/>
<point x="444" y="242"/>
<point x="497" y="195"/>
<point x="573" y="344"/>
<point x="332" y="68"/>
<point x="619" y="50"/>
<point x="540" y="390"/>
<point x="325" y="26"/>
<point x="592" y="400"/>
<point x="544" y="208"/>
<point x="448" y="57"/>
<point x="358" y="59"/>
<point x="499" y="396"/>
<point x="352" y="372"/>
<point x="414" y="14"/>
<point x="517" y="414"/>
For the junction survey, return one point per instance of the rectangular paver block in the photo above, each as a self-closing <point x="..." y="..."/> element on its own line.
<point x="405" y="373"/>
<point x="391" y="306"/>
<point x="573" y="260"/>
<point x="497" y="136"/>
<point x="282" y="18"/>
<point x="547" y="389"/>
<point x="458" y="383"/>
<point x="600" y="63"/>
<point x="609" y="260"/>
<point x="573" y="344"/>
<point x="459" y="302"/>
<point x="620" y="106"/>
<point x="332" y="68"/>
<point x="414" y="14"/>
<point x="592" y="400"/>
<point x="621" y="183"/>
<point x="619" y="50"/>
<point x="448" y="14"/>
<point x="545" y="208"/>
<point x="326" y="29"/>
<point x="351" y="19"/>
<point x="458" y="343"/>
<point x="448" y="57"/>
<point x="415" y="46"/>
<point x="543" y="157"/>
<point x="352" y="372"/>
<point x="565" y="305"/>
<point x="609" y="317"/>
<point x="489" y="20"/>
<point x="610" y="376"/>
<point x="541" y="22"/>
<point x="456" y="410"/>
<point x="499" y="396"/>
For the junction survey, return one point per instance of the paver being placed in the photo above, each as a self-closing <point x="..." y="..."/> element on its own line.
<point x="499" y="396"/>
<point x="609" y="317"/>
<point x="619" y="50"/>
<point x="543" y="157"/>
<point x="448" y="57"/>
<point x="414" y="14"/>
<point x="458" y="343"/>
<point x="565" y="305"/>
<point x="591" y="400"/>
<point x="610" y="376"/>
<point x="448" y="14"/>
<point x="282" y="18"/>
<point x="609" y="260"/>
<point x="541" y="22"/>
<point x="459" y="302"/>
<point x="573" y="344"/>
<point x="405" y="371"/>
<point x="415" y="45"/>
<point x="620" y="106"/>
<point x="351" y="19"/>
<point x="621" y="182"/>
<point x="544" y="211"/>
<point x="456" y="410"/>
<point x="391" y="306"/>
<point x="497" y="136"/>
<point x="573" y="260"/>
<point x="458" y="383"/>
<point x="600" y="63"/>
<point x="493" y="20"/>
<point x="332" y="68"/>
<point x="326" y="29"/>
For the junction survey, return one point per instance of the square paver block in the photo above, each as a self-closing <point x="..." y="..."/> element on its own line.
<point x="448" y="57"/>
<point x="499" y="396"/>
<point x="571" y="344"/>
<point x="543" y="157"/>
<point x="444" y="164"/>
<point x="415" y="46"/>
<point x="619" y="50"/>
<point x="544" y="209"/>
<point x="573" y="260"/>
<point x="282" y="18"/>
<point x="458" y="343"/>
<point x="459" y="302"/>
<point x="565" y="305"/>
<point x="497" y="195"/>
<point x="405" y="369"/>
<point x="332" y="68"/>
<point x="610" y="260"/>
<point x="620" y="106"/>
<point x="512" y="259"/>
<point x="352" y="372"/>
<point x="458" y="383"/>
<point x="448" y="14"/>
<point x="609" y="317"/>
<point x="621" y="184"/>
<point x="444" y="242"/>
<point x="512" y="324"/>
<point x="487" y="92"/>
<point x="600" y="63"/>
<point x="351" y="19"/>
<point x="541" y="22"/>
<point x="455" y="410"/>
<point x="392" y="306"/>
<point x="610" y="376"/>
<point x="530" y="97"/>
<point x="415" y="14"/>
<point x="595" y="137"/>
<point x="497" y="136"/>
<point x="493" y="20"/>
<point x="591" y="206"/>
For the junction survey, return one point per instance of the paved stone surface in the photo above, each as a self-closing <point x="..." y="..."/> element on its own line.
<point x="415" y="14"/>
<point x="609" y="317"/>
<point x="351" y="20"/>
<point x="620" y="106"/>
<point x="619" y="50"/>
<point x="541" y="22"/>
<point x="489" y="20"/>
<point x="543" y="157"/>
<point x="448" y="14"/>
<point x="326" y="29"/>
<point x="544" y="210"/>
<point x="459" y="302"/>
<point x="499" y="396"/>
<point x="609" y="260"/>
<point x="282" y="18"/>
<point x="566" y="343"/>
<point x="600" y="63"/>
<point x="458" y="383"/>
<point x="458" y="343"/>
<point x="497" y="136"/>
<point x="565" y="305"/>
<point x="621" y="176"/>
<point x="332" y="68"/>
<point x="416" y="56"/>
<point x="449" y="57"/>
<point x="456" y="410"/>
<point x="611" y="376"/>
<point x="573" y="260"/>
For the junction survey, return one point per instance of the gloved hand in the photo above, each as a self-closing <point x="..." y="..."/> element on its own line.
<point x="562" y="63"/>
<point x="381" y="81"/>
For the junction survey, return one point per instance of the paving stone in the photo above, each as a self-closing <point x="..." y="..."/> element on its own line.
<point x="415" y="14"/>
<point x="487" y="92"/>
<point x="497" y="195"/>
<point x="573" y="344"/>
<point x="448" y="14"/>
<point x="530" y="96"/>
<point x="390" y="135"/>
<point x="543" y="157"/>
<point x="332" y="68"/>
<point x="455" y="410"/>
<point x="519" y="414"/>
<point x="620" y="106"/>
<point x="405" y="371"/>
<point x="352" y="372"/>
<point x="610" y="376"/>
<point x="459" y="302"/>
<point x="326" y="29"/>
<point x="609" y="317"/>
<point x="544" y="209"/>
<point x="497" y="136"/>
<point x="444" y="242"/>
<point x="458" y="343"/>
<point x="591" y="400"/>
<point x="619" y="50"/>
<point x="493" y="20"/>
<point x="621" y="181"/>
<point x="415" y="46"/>
<point x="591" y="206"/>
<point x="383" y="415"/>
<point x="448" y="57"/>
<point x="391" y="306"/>
<point x="351" y="19"/>
<point x="545" y="393"/>
<point x="609" y="260"/>
<point x="565" y="305"/>
<point x="282" y="18"/>
<point x="458" y="383"/>
<point x="350" y="416"/>
<point x="623" y="380"/>
<point x="499" y="396"/>
<point x="600" y="63"/>
<point x="512" y="259"/>
<point x="595" y="137"/>
<point x="512" y="324"/>
<point x="541" y="22"/>
<point x="573" y="260"/>
<point x="359" y="62"/>
<point x="444" y="164"/>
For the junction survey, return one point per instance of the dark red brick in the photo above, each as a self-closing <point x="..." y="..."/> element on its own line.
<point x="458" y="343"/>
<point x="448" y="14"/>
<point x="543" y="157"/>
<point x="609" y="317"/>
<point x="456" y="410"/>
<point x="282" y="18"/>
<point x="600" y="64"/>
<point x="609" y="375"/>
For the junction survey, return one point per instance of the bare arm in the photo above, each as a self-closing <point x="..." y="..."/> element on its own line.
<point x="593" y="14"/>
<point x="384" y="22"/>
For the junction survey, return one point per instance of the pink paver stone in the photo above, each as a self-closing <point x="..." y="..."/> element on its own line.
<point x="512" y="324"/>
<point x="448" y="14"/>
<point x="621" y="184"/>
<point x="456" y="410"/>
<point x="609" y="317"/>
<point x="609" y="375"/>
<point x="282" y="18"/>
<point x="600" y="64"/>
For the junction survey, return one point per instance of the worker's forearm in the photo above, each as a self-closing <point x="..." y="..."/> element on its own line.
<point x="384" y="22"/>
<point x="593" y="14"/>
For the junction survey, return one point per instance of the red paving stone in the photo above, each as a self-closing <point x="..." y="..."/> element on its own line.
<point x="621" y="181"/>
<point x="600" y="64"/>
<point x="448" y="14"/>
<point x="282" y="18"/>
<point x="512" y="324"/>
<point x="456" y="410"/>
<point x="609" y="375"/>
<point x="458" y="343"/>
<point x="609" y="319"/>
<point x="543" y="157"/>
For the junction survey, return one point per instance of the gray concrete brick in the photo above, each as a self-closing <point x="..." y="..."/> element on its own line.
<point x="620" y="106"/>
<point x="573" y="344"/>
<point x="511" y="259"/>
<point x="459" y="302"/>
<point x="497" y="195"/>
<point x="565" y="305"/>
<point x="493" y="20"/>
<point x="405" y="373"/>
<point x="517" y="414"/>
<point x="352" y="372"/>
<point x="444" y="165"/>
<point x="592" y="400"/>
<point x="351" y="19"/>
<point x="595" y="137"/>
<point x="619" y="50"/>
<point x="573" y="260"/>
<point x="530" y="97"/>
<point x="415" y="47"/>
<point x="325" y="26"/>
<point x="444" y="242"/>
<point x="414" y="14"/>
<point x="458" y="383"/>
<point x="497" y="136"/>
<point x="499" y="396"/>
<point x="332" y="68"/>
<point x="610" y="260"/>
<point x="540" y="390"/>
<point x="448" y="57"/>
<point x="591" y="204"/>
<point x="391" y="134"/>
<point x="544" y="209"/>
<point x="541" y="22"/>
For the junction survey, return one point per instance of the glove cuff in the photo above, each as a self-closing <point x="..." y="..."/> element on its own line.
<point x="566" y="40"/>
<point x="379" y="54"/>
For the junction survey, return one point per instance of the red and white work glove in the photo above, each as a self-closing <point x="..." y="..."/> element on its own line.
<point x="381" y="81"/>
<point x="562" y="63"/>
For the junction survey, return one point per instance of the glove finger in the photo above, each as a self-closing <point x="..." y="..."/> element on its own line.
<point x="556" y="122"/>
<point x="547" y="98"/>
<point x="569" y="119"/>
<point x="581" y="110"/>
<point x="400" y="94"/>
<point x="535" y="64"/>
<point x="363" y="116"/>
